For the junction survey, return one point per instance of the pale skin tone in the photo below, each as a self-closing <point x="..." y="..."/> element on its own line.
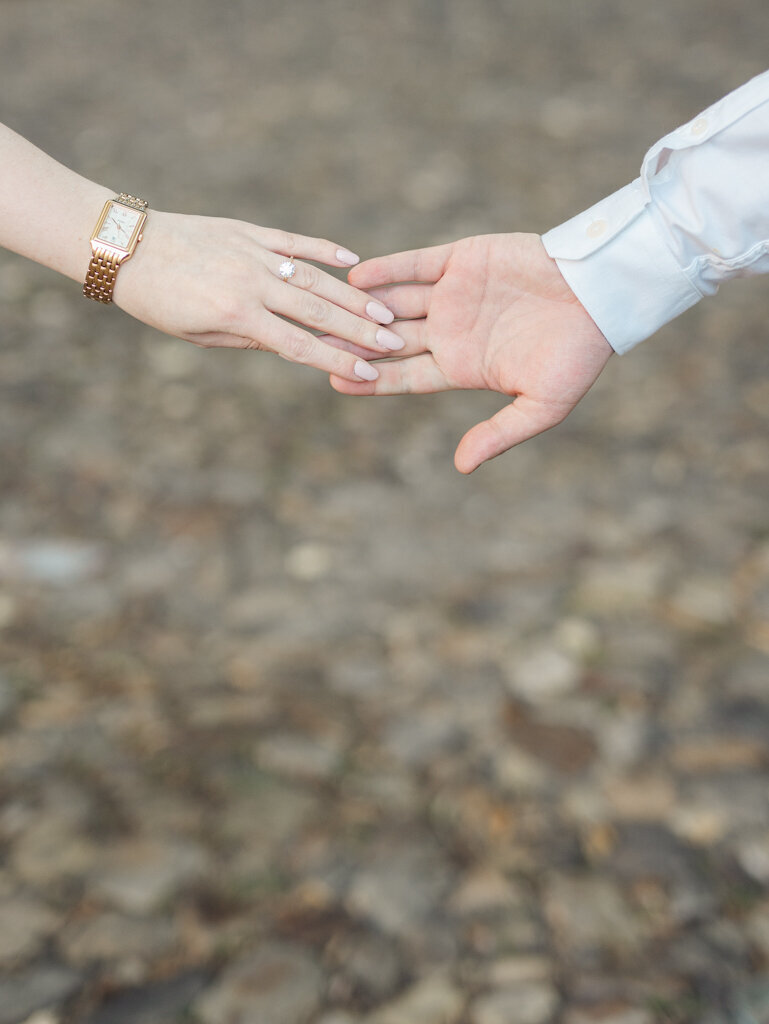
<point x="211" y="281"/>
<point x="491" y="312"/>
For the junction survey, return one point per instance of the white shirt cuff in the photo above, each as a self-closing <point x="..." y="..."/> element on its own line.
<point x="618" y="265"/>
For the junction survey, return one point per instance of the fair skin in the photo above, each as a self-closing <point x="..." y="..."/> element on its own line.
<point x="490" y="312"/>
<point x="211" y="281"/>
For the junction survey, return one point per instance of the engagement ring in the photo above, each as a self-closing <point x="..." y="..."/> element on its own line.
<point x="287" y="269"/>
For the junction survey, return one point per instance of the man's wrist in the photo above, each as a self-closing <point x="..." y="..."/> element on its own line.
<point x="618" y="265"/>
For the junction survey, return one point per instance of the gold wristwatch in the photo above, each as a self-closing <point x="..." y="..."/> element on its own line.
<point x="117" y="233"/>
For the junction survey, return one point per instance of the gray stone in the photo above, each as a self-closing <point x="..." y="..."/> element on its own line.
<point x="155" y="1002"/>
<point x="37" y="988"/>
<point x="589" y="913"/>
<point x="51" y="850"/>
<point x="753" y="855"/>
<point x="484" y="891"/>
<point x="530" y="1002"/>
<point x="298" y="756"/>
<point x="279" y="984"/>
<point x="752" y="1002"/>
<point x="757" y="927"/>
<point x="255" y="826"/>
<point x="24" y="924"/>
<point x="514" y="970"/>
<point x="115" y="937"/>
<point x="515" y="932"/>
<point x="8" y="695"/>
<point x="139" y="876"/>
<point x="361" y="674"/>
<point x="618" y="587"/>
<point x="610" y="1015"/>
<point x="517" y="772"/>
<point x="422" y="734"/>
<point x="270" y="810"/>
<point x="369" y="964"/>
<point x="51" y="561"/>
<point x="309" y="561"/>
<point x="433" y="1000"/>
<point x="44" y="1017"/>
<point x="704" y="601"/>
<point x="401" y="887"/>
<point x="543" y="673"/>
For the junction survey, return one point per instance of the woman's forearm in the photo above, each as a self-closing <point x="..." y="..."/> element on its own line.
<point x="208" y="280"/>
<point x="47" y="212"/>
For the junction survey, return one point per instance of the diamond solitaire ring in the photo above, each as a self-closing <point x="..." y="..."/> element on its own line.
<point x="286" y="270"/>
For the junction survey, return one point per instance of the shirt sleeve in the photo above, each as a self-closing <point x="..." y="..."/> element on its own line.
<point x="698" y="215"/>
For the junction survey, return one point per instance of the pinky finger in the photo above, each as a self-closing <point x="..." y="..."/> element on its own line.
<point x="298" y="346"/>
<point x="416" y="375"/>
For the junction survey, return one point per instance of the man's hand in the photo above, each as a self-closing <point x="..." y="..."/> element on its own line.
<point x="490" y="312"/>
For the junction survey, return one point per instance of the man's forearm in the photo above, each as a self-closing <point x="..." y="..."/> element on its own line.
<point x="697" y="216"/>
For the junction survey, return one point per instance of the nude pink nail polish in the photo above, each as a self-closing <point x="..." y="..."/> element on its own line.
<point x="380" y="313"/>
<point x="348" y="258"/>
<point x="365" y="370"/>
<point x="389" y="340"/>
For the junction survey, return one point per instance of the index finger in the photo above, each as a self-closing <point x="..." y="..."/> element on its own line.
<point x="424" y="265"/>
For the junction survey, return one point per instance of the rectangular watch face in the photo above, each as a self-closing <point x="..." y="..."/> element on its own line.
<point x="119" y="226"/>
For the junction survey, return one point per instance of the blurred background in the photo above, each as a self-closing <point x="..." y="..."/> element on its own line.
<point x="297" y="725"/>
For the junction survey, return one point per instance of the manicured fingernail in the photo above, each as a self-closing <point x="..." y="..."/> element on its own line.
<point x="389" y="340"/>
<point x="365" y="370"/>
<point x="380" y="313"/>
<point x="347" y="257"/>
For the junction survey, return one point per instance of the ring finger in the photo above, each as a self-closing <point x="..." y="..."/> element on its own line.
<point x="321" y="301"/>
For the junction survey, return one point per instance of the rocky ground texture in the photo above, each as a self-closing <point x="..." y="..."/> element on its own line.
<point x="297" y="725"/>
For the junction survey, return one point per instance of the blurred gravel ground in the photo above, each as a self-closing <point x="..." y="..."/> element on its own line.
<point x="298" y="726"/>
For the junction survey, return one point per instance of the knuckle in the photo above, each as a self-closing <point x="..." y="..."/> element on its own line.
<point x="255" y="345"/>
<point x="288" y="242"/>
<point x="310" y="277"/>
<point x="315" y="311"/>
<point x="298" y="347"/>
<point x="227" y="308"/>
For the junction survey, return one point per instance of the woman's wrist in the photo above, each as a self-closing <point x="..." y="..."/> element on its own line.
<point x="47" y="211"/>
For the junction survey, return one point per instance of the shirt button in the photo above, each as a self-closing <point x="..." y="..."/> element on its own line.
<point x="700" y="126"/>
<point x="597" y="228"/>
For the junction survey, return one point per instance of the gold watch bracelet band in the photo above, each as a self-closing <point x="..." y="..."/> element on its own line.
<point x="102" y="270"/>
<point x="101" y="276"/>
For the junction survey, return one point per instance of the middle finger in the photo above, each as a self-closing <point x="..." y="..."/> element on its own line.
<point x="321" y="301"/>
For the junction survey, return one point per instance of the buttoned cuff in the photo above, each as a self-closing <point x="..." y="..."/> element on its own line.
<point x="616" y="262"/>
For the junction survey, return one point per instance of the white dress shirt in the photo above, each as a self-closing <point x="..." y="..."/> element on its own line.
<point x="697" y="216"/>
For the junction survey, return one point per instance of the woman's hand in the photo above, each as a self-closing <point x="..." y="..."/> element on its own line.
<point x="216" y="282"/>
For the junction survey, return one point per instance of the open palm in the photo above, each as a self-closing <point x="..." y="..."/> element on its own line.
<point x="491" y="312"/>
